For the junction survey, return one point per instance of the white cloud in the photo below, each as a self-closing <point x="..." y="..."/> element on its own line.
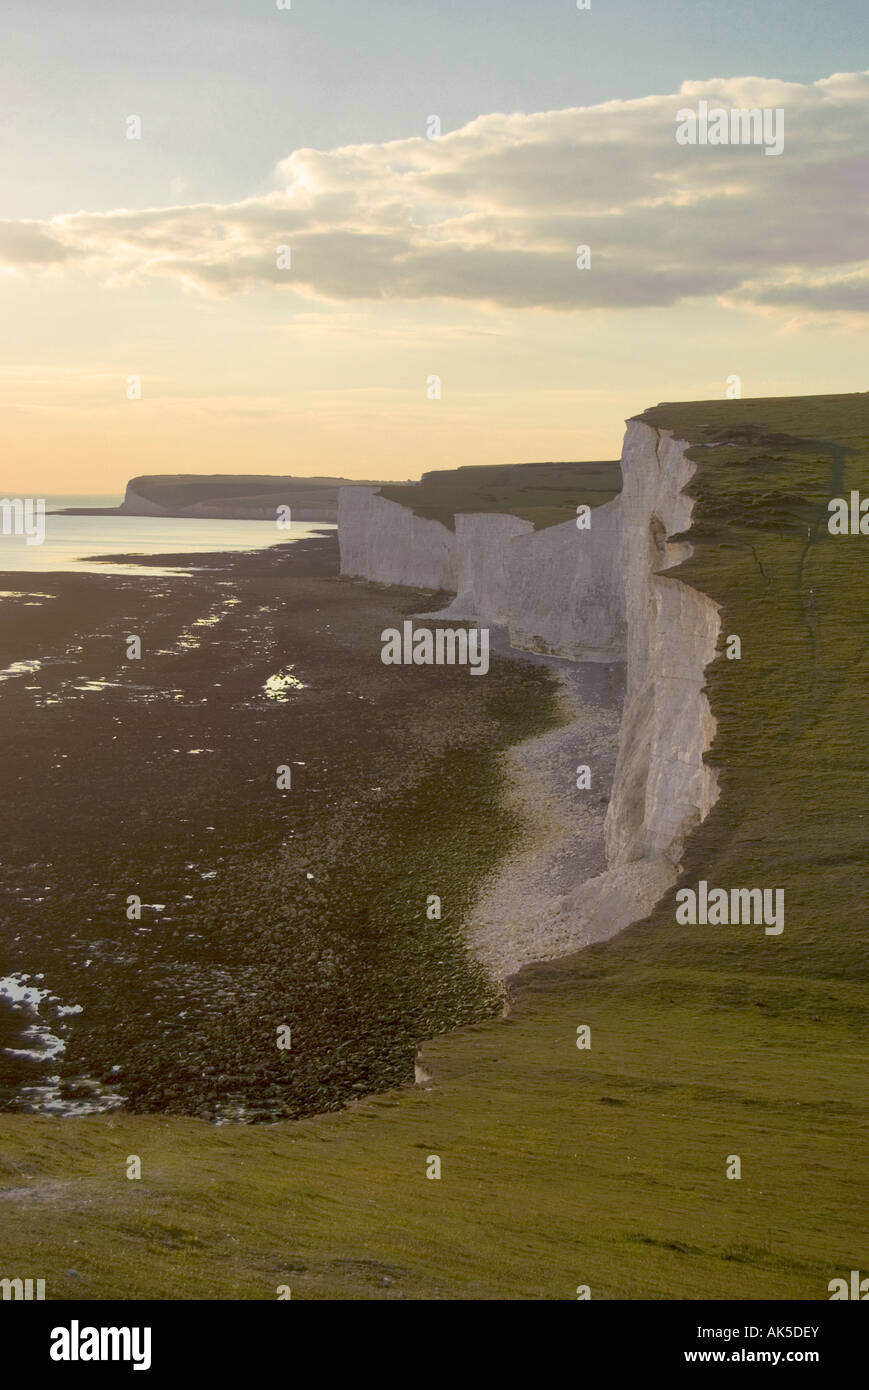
<point x="493" y="213"/>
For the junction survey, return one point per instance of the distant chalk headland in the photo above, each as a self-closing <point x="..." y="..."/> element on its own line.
<point x="226" y="496"/>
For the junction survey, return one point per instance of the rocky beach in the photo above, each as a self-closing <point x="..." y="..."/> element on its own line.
<point x="261" y="907"/>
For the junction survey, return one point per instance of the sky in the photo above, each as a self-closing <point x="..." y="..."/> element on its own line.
<point x="155" y="260"/>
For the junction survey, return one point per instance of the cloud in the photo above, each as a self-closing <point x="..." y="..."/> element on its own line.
<point x="492" y="213"/>
<point x="32" y="244"/>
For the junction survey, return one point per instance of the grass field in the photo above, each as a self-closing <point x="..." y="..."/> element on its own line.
<point x="560" y="1166"/>
<point x="543" y="493"/>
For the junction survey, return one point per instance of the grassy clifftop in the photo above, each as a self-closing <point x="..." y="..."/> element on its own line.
<point x="791" y="761"/>
<point x="543" y="493"/>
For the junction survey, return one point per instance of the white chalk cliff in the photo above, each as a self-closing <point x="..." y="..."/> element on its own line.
<point x="387" y="544"/>
<point x="558" y="590"/>
<point x="135" y="505"/>
<point x="600" y="595"/>
<point x="662" y="788"/>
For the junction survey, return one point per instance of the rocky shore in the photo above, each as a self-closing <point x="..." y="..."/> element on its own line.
<point x="153" y="781"/>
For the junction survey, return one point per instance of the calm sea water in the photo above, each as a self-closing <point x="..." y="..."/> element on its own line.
<point x="69" y="540"/>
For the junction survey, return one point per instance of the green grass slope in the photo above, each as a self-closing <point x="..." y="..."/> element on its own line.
<point x="543" y="493"/>
<point x="604" y="1167"/>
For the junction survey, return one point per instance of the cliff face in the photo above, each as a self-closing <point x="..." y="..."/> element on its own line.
<point x="599" y="595"/>
<point x="388" y="544"/>
<point x="558" y="590"/>
<point x="566" y="592"/>
<point x="484" y="572"/>
<point x="135" y="505"/>
<point x="662" y="787"/>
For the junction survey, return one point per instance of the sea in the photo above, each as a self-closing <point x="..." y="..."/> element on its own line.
<point x="72" y="542"/>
